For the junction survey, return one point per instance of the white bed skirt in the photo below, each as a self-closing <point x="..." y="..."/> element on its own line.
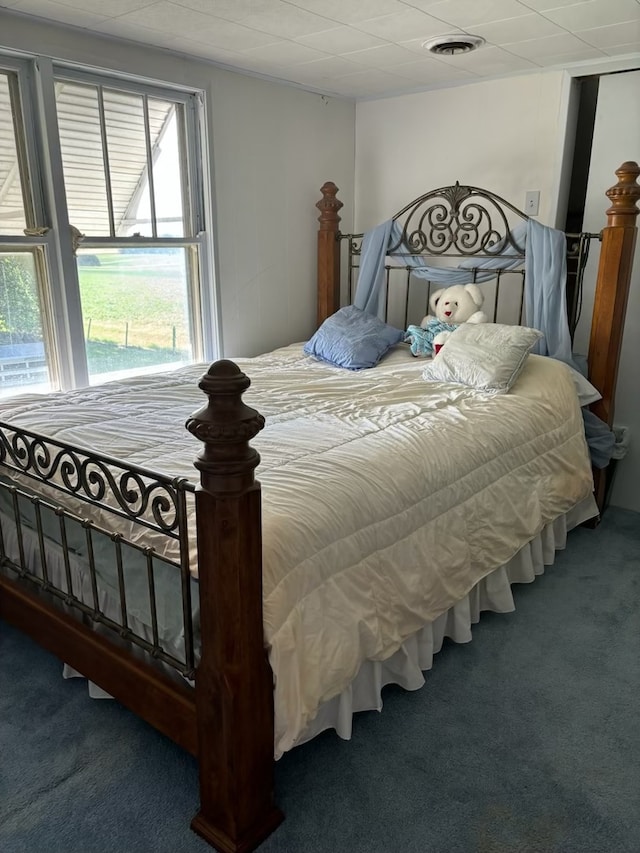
<point x="415" y="656"/>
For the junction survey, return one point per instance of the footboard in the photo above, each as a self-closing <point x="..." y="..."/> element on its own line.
<point x="90" y="549"/>
<point x="84" y="571"/>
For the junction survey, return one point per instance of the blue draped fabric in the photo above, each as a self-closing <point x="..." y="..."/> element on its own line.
<point x="545" y="294"/>
<point x="373" y="256"/>
<point x="545" y="277"/>
<point x="545" y="267"/>
<point x="600" y="438"/>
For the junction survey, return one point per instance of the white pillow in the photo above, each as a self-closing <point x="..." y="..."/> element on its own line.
<point x="485" y="356"/>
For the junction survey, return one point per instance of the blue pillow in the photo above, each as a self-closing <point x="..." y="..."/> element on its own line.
<point x="353" y="339"/>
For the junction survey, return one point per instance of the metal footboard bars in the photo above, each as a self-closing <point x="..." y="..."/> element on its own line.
<point x="75" y="524"/>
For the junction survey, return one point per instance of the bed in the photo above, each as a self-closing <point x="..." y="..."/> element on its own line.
<point x="242" y="617"/>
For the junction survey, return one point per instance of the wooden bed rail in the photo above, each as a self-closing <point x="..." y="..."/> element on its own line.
<point x="234" y="681"/>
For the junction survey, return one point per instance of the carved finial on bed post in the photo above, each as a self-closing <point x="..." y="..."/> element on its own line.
<point x="624" y="196"/>
<point x="328" y="252"/>
<point x="234" y="682"/>
<point x="226" y="425"/>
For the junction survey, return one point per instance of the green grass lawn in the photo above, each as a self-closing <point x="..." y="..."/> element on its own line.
<point x="136" y="300"/>
<point x="106" y="358"/>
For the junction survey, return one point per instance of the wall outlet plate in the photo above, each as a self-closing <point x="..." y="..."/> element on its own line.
<point x="532" y="202"/>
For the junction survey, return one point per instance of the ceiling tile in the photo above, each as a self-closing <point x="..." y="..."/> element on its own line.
<point x="59" y="12"/>
<point x="229" y="10"/>
<point x="284" y="53"/>
<point x="468" y="13"/>
<point x="408" y="24"/>
<point x="543" y="5"/>
<point x="350" y="11"/>
<point x="542" y="48"/>
<point x="594" y="13"/>
<point x="517" y="29"/>
<point x="332" y="66"/>
<point x="606" y="37"/>
<point x="287" y="21"/>
<point x="169" y="17"/>
<point x="209" y="52"/>
<point x="341" y="40"/>
<point x="423" y="5"/>
<point x="623" y="50"/>
<point x="125" y="29"/>
<point x="431" y="71"/>
<point x="110" y="9"/>
<point x="381" y="57"/>
<point x="377" y="43"/>
<point x="488" y="60"/>
<point x="582" y="54"/>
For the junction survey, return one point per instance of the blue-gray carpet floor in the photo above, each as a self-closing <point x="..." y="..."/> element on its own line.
<point x="526" y="740"/>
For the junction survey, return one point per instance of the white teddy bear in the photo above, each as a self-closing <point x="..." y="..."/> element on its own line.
<point x="460" y="303"/>
<point x="451" y="306"/>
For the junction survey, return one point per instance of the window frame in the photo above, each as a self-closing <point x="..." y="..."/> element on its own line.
<point x="52" y="238"/>
<point x="41" y="242"/>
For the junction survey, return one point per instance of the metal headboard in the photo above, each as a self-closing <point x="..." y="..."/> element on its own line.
<point x="462" y="222"/>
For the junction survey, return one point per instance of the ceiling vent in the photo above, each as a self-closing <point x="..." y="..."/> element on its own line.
<point x="454" y="44"/>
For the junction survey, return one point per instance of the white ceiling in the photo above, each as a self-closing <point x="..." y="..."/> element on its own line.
<point x="364" y="48"/>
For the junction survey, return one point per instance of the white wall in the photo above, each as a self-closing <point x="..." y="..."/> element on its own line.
<point x="271" y="147"/>
<point x="504" y="135"/>
<point x="274" y="147"/>
<point x="616" y="139"/>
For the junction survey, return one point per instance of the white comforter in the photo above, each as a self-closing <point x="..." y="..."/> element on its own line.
<point x="386" y="498"/>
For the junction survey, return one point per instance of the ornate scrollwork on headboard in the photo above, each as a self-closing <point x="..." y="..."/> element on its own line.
<point x="461" y="222"/>
<point x="457" y="220"/>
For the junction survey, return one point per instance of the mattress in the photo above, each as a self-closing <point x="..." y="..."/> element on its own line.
<point x="386" y="498"/>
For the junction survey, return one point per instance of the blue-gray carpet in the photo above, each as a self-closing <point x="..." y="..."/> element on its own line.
<point x="527" y="740"/>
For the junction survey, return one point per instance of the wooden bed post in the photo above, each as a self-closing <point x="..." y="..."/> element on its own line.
<point x="612" y="288"/>
<point x="234" y="682"/>
<point x="328" y="252"/>
<point x="610" y="304"/>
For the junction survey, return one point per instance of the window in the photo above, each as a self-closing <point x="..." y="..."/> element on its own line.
<point x="102" y="253"/>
